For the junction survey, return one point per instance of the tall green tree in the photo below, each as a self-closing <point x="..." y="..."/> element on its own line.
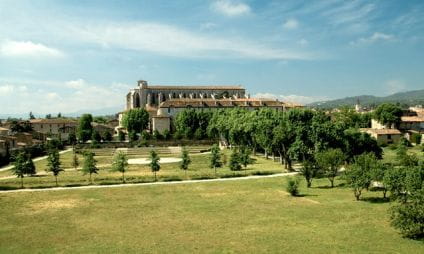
<point x="244" y="156"/>
<point x="95" y="136"/>
<point x="89" y="165"/>
<point x="359" y="175"/>
<point x="120" y="164"/>
<point x="85" y="129"/>
<point x="154" y="163"/>
<point x="135" y="120"/>
<point x="234" y="162"/>
<point x="53" y="163"/>
<point x="185" y="160"/>
<point x="309" y="171"/>
<point x="20" y="167"/>
<point x="330" y="161"/>
<point x="215" y="159"/>
<point x="388" y="114"/>
<point x="75" y="161"/>
<point x="72" y="139"/>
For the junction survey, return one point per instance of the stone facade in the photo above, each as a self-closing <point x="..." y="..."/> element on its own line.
<point x="55" y="127"/>
<point x="163" y="103"/>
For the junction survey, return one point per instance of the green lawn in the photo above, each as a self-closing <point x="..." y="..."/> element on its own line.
<point x="243" y="216"/>
<point x="389" y="155"/>
<point x="198" y="169"/>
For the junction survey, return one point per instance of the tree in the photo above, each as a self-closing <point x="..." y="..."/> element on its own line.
<point x="135" y="120"/>
<point x="359" y="175"/>
<point x="234" y="162"/>
<point x="96" y="136"/>
<point x="31" y="115"/>
<point x="120" y="164"/>
<point x="84" y="130"/>
<point x="121" y="136"/>
<point x="166" y="134"/>
<point x="89" y="165"/>
<point x="107" y="136"/>
<point x="388" y="114"/>
<point x="185" y="160"/>
<point x="309" y="171"/>
<point x="29" y="166"/>
<point x="48" y="116"/>
<point x="53" y="163"/>
<point x="72" y="138"/>
<point x="19" y="168"/>
<point x="215" y="159"/>
<point x="377" y="175"/>
<point x="292" y="186"/>
<point x="59" y="115"/>
<point x="154" y="163"/>
<point x="244" y="156"/>
<point x="330" y="161"/>
<point x="408" y="217"/>
<point x="132" y="136"/>
<point x="75" y="162"/>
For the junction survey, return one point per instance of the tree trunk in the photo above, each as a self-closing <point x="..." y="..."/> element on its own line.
<point x="22" y="182"/>
<point x="155" y="177"/>
<point x="331" y="181"/>
<point x="185" y="172"/>
<point x="123" y="177"/>
<point x="309" y="183"/>
<point x="56" y="180"/>
<point x="214" y="168"/>
<point x="384" y="193"/>
<point x="266" y="154"/>
<point x="273" y="156"/>
<point x="91" y="181"/>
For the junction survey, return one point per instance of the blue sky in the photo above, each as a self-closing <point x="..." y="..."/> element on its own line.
<point x="69" y="56"/>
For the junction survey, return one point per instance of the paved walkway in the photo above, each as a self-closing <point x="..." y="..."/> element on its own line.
<point x="149" y="184"/>
<point x="35" y="159"/>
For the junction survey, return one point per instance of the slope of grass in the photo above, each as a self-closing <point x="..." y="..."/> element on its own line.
<point x="250" y="216"/>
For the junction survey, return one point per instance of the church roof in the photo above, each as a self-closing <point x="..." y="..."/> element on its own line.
<point x="208" y="102"/>
<point x="209" y="87"/>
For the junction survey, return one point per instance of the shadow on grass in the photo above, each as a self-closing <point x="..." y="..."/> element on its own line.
<point x="376" y="200"/>
<point x="340" y="185"/>
<point x="305" y="195"/>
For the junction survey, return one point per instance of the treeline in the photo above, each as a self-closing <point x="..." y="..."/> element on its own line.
<point x="295" y="135"/>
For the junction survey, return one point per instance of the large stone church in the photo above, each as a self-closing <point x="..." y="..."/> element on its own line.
<point x="164" y="102"/>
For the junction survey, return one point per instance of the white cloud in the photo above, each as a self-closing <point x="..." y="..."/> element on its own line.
<point x="28" y="49"/>
<point x="394" y="86"/>
<point x="373" y="38"/>
<point x="173" y="41"/>
<point x="291" y="24"/>
<point x="67" y="97"/>
<point x="230" y="8"/>
<point x="291" y="98"/>
<point x="207" y="26"/>
<point x="303" y="42"/>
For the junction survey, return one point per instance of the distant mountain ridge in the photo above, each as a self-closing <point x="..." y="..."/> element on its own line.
<point x="410" y="98"/>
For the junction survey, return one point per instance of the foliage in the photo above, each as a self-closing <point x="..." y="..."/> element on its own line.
<point x="107" y="136"/>
<point x="75" y="161"/>
<point x="145" y="135"/>
<point x="388" y="114"/>
<point x="23" y="165"/>
<point x="292" y="186"/>
<point x="132" y="136"/>
<point x="166" y="134"/>
<point x="84" y="129"/>
<point x="244" y="156"/>
<point x="329" y="162"/>
<point x="309" y="171"/>
<point x="185" y="160"/>
<point x="120" y="164"/>
<point x="154" y="162"/>
<point x="215" y="159"/>
<point x="121" y="136"/>
<point x="89" y="165"/>
<point x="53" y="163"/>
<point x="135" y="120"/>
<point x="359" y="175"/>
<point x="72" y="138"/>
<point x="408" y="217"/>
<point x="357" y="143"/>
<point x="416" y="138"/>
<point x="191" y="123"/>
<point x="157" y="135"/>
<point x="234" y="162"/>
<point x="20" y="126"/>
<point x="96" y="136"/>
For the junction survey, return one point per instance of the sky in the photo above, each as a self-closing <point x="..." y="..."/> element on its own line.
<point x="69" y="56"/>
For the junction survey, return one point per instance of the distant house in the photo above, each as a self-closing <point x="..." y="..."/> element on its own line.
<point x="56" y="127"/>
<point x="385" y="136"/>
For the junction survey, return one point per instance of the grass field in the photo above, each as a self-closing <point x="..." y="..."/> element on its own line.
<point x="243" y="216"/>
<point x="198" y="169"/>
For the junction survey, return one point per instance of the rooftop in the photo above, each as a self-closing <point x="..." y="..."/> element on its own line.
<point x="197" y="87"/>
<point x="52" y="121"/>
<point x="208" y="102"/>
<point x="412" y="118"/>
<point x="385" y="131"/>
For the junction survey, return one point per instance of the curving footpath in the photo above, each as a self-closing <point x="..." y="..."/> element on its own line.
<point x="149" y="184"/>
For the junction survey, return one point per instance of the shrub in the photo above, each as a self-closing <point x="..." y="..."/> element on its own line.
<point x="145" y="135"/>
<point x="416" y="138"/>
<point x="292" y="186"/>
<point x="157" y="135"/>
<point x="409" y="217"/>
<point x="166" y="134"/>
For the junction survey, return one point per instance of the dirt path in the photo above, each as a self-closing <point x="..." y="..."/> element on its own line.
<point x="149" y="184"/>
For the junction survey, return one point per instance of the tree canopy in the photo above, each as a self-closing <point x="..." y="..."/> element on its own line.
<point x="135" y="120"/>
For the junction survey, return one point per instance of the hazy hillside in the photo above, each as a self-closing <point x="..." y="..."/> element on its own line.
<point x="410" y="98"/>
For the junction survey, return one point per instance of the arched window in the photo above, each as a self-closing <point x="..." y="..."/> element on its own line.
<point x="137" y="101"/>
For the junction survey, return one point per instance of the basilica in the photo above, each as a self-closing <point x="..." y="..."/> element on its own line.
<point x="164" y="102"/>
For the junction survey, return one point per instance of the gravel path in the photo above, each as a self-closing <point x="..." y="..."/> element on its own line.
<point x="149" y="184"/>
